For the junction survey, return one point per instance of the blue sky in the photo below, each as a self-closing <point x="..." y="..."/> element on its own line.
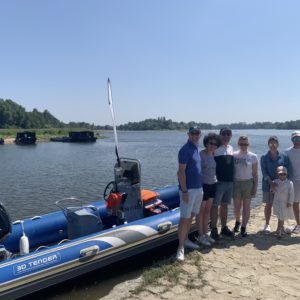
<point x="208" y="61"/>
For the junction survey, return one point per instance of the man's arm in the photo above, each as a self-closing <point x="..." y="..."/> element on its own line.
<point x="182" y="181"/>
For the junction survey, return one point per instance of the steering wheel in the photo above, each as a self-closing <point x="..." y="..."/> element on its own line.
<point x="110" y="188"/>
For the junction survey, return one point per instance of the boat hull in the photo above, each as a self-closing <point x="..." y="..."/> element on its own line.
<point x="49" y="266"/>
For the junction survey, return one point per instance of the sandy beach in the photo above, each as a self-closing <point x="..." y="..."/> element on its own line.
<point x="260" y="266"/>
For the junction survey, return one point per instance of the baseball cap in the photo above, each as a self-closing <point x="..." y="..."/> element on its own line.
<point x="194" y="129"/>
<point x="295" y="134"/>
<point x="282" y="170"/>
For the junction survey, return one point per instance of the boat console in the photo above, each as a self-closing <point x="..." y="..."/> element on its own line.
<point x="123" y="196"/>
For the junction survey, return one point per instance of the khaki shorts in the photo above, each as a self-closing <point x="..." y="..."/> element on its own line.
<point x="242" y="189"/>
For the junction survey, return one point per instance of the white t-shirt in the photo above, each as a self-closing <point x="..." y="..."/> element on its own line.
<point x="294" y="158"/>
<point x="243" y="165"/>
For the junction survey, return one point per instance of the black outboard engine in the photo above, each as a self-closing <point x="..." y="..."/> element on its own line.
<point x="5" y="231"/>
<point x="5" y="223"/>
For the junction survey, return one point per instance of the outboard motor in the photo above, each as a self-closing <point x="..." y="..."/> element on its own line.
<point x="125" y="199"/>
<point x="5" y="231"/>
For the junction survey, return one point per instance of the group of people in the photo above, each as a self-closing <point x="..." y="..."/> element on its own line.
<point x="209" y="179"/>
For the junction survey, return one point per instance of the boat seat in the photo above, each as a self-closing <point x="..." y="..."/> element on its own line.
<point x="83" y="221"/>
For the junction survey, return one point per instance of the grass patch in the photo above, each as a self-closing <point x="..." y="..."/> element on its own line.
<point x="164" y="273"/>
<point x="167" y="273"/>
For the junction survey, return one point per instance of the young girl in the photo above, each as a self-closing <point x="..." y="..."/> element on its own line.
<point x="283" y="198"/>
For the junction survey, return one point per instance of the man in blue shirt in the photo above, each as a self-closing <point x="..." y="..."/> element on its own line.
<point x="190" y="189"/>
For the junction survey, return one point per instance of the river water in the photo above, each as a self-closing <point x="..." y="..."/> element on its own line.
<point x="32" y="178"/>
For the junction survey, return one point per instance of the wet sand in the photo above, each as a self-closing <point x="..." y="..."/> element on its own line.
<point x="260" y="266"/>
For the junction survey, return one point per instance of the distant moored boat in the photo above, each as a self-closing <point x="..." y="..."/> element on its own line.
<point x="25" y="138"/>
<point x="76" y="137"/>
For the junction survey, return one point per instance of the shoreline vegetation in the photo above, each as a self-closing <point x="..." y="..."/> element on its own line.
<point x="260" y="266"/>
<point x="13" y="115"/>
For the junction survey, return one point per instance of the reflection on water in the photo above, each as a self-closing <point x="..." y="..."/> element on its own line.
<point x="32" y="178"/>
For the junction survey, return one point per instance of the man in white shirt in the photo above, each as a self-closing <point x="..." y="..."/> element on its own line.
<point x="293" y="153"/>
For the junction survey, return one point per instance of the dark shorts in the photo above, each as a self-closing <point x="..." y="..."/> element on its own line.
<point x="209" y="191"/>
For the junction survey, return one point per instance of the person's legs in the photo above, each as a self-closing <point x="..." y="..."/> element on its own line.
<point x="268" y="200"/>
<point x="268" y="212"/>
<point x="237" y="209"/>
<point x="206" y="214"/>
<point x="246" y="212"/>
<point x="223" y="213"/>
<point x="296" y="212"/>
<point x="183" y="229"/>
<point x="200" y="219"/>
<point x="214" y="213"/>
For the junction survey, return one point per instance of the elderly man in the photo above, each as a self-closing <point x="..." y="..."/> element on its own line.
<point x="190" y="189"/>
<point x="293" y="153"/>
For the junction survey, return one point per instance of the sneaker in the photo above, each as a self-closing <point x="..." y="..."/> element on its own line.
<point x="227" y="232"/>
<point x="296" y="229"/>
<point x="190" y="245"/>
<point x="267" y="228"/>
<point x="287" y="230"/>
<point x="203" y="240"/>
<point x="243" y="232"/>
<point x="237" y="226"/>
<point x="180" y="254"/>
<point x="210" y="239"/>
<point x="214" y="234"/>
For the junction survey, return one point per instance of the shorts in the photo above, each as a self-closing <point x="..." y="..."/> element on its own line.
<point x="242" y="189"/>
<point x="209" y="191"/>
<point x="223" y="193"/>
<point x="193" y="206"/>
<point x="268" y="197"/>
<point x="297" y="190"/>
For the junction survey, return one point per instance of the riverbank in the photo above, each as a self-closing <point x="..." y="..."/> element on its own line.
<point x="260" y="266"/>
<point x="42" y="135"/>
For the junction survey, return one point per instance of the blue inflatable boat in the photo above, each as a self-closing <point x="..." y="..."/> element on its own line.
<point x="45" y="250"/>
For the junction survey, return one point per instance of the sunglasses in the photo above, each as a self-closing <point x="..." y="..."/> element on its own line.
<point x="243" y="144"/>
<point x="296" y="139"/>
<point x="213" y="144"/>
<point x="282" y="174"/>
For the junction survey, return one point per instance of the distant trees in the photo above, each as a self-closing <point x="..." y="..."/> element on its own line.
<point x="13" y="115"/>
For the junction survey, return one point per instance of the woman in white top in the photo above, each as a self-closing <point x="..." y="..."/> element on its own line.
<point x="245" y="183"/>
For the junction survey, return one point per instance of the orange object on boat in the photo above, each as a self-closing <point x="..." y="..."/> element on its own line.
<point x="113" y="200"/>
<point x="148" y="195"/>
